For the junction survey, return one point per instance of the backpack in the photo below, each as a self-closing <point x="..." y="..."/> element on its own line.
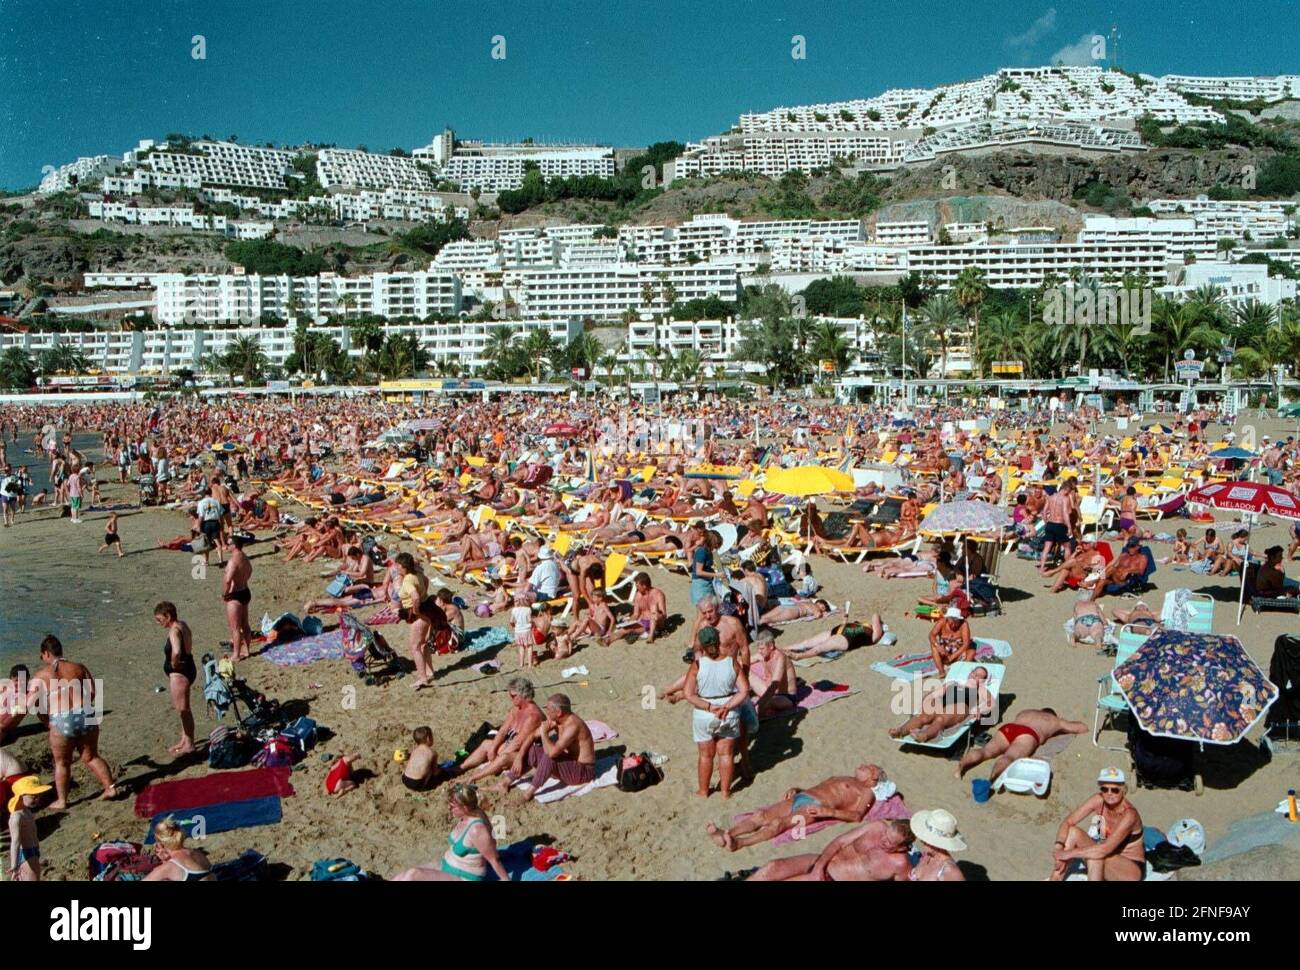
<point x="278" y="752"/>
<point x="337" y="870"/>
<point x="302" y="733"/>
<point x="637" y="773"/>
<point x="229" y="748"/>
<point x="338" y="584"/>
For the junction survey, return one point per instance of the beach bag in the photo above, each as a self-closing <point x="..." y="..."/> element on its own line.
<point x="337" y="870"/>
<point x="278" y="752"/>
<point x="119" y="862"/>
<point x="249" y="867"/>
<point x="338" y="584"/>
<point x="301" y="732"/>
<point x="637" y="773"/>
<point x="229" y="748"/>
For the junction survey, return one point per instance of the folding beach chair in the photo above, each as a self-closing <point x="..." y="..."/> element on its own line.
<point x="1110" y="700"/>
<point x="958" y="673"/>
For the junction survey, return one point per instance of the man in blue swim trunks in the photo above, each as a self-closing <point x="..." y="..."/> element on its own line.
<point x="62" y="693"/>
<point x="844" y="798"/>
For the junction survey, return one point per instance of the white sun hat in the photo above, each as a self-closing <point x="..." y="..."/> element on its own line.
<point x="938" y="828"/>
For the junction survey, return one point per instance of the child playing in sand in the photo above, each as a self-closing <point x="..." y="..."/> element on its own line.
<point x="1182" y="554"/>
<point x="110" y="536"/>
<point x="422" y="770"/>
<point x="24" y="844"/>
<point x="522" y="618"/>
<point x="599" y="621"/>
<point x="339" y="781"/>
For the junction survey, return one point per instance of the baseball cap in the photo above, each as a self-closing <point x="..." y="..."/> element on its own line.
<point x="708" y="636"/>
<point x="1111" y="776"/>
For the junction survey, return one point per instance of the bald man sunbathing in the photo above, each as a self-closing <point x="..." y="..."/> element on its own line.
<point x="1019" y="738"/>
<point x="874" y="852"/>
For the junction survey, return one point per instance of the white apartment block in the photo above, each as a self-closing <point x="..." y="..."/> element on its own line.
<point x="61" y="178"/>
<point x="352" y="169"/>
<point x="963" y="232"/>
<point x="1239" y="284"/>
<point x="717" y="341"/>
<point x="469" y="254"/>
<point x="712" y="237"/>
<point x="1279" y="88"/>
<point x="362" y="206"/>
<point x="1180" y="237"/>
<point x="987" y="136"/>
<point x="576" y="231"/>
<point x="774" y="154"/>
<point x="142" y="179"/>
<point x="826" y="256"/>
<point x="164" y="351"/>
<point x="204" y="299"/>
<point x="223" y="163"/>
<point x="902" y="233"/>
<point x="183" y="217"/>
<point x="498" y="168"/>
<point x="1016" y="266"/>
<point x="605" y="292"/>
<point x="1078" y="94"/>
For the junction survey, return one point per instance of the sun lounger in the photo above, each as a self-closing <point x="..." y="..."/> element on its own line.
<point x="958" y="673"/>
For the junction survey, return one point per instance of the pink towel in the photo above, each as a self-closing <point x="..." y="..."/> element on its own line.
<point x="600" y="731"/>
<point x="808" y="697"/>
<point x="891" y="808"/>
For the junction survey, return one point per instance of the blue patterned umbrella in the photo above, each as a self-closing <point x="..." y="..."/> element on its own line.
<point x="1195" y="687"/>
<point x="1240" y="454"/>
<point x="967" y="517"/>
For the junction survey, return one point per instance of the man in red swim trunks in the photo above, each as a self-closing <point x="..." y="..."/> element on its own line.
<point x="1019" y="738"/>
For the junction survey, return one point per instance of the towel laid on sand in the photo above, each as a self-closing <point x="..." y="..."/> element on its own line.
<point x="555" y="790"/>
<point x="484" y="638"/>
<point x="908" y="665"/>
<point x="517" y="861"/>
<point x="890" y="808"/>
<point x="380" y="617"/>
<point x="212" y="789"/>
<point x="808" y="696"/>
<point x="305" y="650"/>
<point x="600" y="731"/>
<point x="224" y="817"/>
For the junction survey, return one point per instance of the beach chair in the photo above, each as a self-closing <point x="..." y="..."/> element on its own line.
<point x="1093" y="511"/>
<point x="985" y="589"/>
<point x="957" y="674"/>
<point x="1110" y="700"/>
<point x="367" y="651"/>
<point x="1187" y="611"/>
<point x="619" y="580"/>
<point x="1289" y="604"/>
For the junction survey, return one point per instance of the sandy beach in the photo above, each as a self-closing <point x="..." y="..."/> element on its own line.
<point x="654" y="834"/>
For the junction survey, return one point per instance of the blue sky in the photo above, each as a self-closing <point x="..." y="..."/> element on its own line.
<point x="84" y="77"/>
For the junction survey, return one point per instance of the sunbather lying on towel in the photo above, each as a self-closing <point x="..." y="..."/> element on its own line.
<point x="1019" y="738"/>
<point x="946" y="706"/>
<point x="843" y="798"/>
<point x="848" y="635"/>
<point x="801" y="610"/>
<point x="874" y="852"/>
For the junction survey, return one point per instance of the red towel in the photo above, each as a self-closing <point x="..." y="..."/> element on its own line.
<point x="212" y="789"/>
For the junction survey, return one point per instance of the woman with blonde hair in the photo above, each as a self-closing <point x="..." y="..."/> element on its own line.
<point x="471" y="846"/>
<point x="413" y="591"/>
<point x="176" y="862"/>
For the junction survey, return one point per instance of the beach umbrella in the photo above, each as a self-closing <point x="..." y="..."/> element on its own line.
<point x="903" y="422"/>
<point x="806" y="480"/>
<point x="422" y="424"/>
<point x="1291" y="410"/>
<point x="727" y="472"/>
<point x="967" y="517"/>
<point x="1232" y="454"/>
<point x="226" y="446"/>
<point x="1195" y="687"/>
<point x="1159" y="428"/>
<point x="561" y="429"/>
<point x="1253" y="498"/>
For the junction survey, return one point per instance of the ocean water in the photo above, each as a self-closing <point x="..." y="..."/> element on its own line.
<point x="41" y="592"/>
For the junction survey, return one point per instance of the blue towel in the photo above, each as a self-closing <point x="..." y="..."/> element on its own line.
<point x="224" y="817"/>
<point x="484" y="638"/>
<point x="517" y="860"/>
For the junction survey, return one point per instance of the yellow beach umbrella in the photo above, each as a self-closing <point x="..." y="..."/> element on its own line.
<point x="806" y="480"/>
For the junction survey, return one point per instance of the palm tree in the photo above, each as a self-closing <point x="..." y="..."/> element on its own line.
<point x="688" y="367"/>
<point x="400" y="356"/>
<point x="940" y="314"/>
<point x="970" y="290"/>
<point x="829" y="343"/>
<point x="1278" y="347"/>
<point x="539" y="346"/>
<point x="499" y="344"/>
<point x="1002" y="339"/>
<point x="607" y="363"/>
<point x="64" y="359"/>
<point x="1176" y="327"/>
<point x="244" y="356"/>
<point x="583" y="351"/>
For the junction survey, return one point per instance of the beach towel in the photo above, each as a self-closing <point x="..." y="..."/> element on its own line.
<point x="484" y="638"/>
<point x="212" y="789"/>
<point x="324" y="646"/>
<point x="115" y="507"/>
<point x="381" y="617"/>
<point x="600" y="731"/>
<point x="892" y="807"/>
<point x="517" y="860"/>
<point x="1053" y="746"/>
<point x="555" y="790"/>
<point x="908" y="665"/>
<point x="224" y="817"/>
<point x="809" y="696"/>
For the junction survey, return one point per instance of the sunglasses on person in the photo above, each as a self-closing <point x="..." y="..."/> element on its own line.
<point x="1110" y="789"/>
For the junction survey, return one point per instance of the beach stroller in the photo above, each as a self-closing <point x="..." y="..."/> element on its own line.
<point x="367" y="651"/>
<point x="223" y="692"/>
<point x="148" y="490"/>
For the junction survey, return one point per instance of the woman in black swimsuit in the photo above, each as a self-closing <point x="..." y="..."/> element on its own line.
<point x="179" y="668"/>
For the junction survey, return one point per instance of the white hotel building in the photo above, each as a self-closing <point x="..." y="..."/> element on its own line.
<point x="1278" y="88"/>
<point x="1180" y="237"/>
<point x="606" y="292"/>
<point x="1014" y="266"/>
<point x="164" y="351"/>
<point x="183" y="217"/>
<point x="82" y="169"/>
<point x="223" y="163"/>
<point x="350" y="169"/>
<point x="498" y="168"/>
<point x="218" y="298"/>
